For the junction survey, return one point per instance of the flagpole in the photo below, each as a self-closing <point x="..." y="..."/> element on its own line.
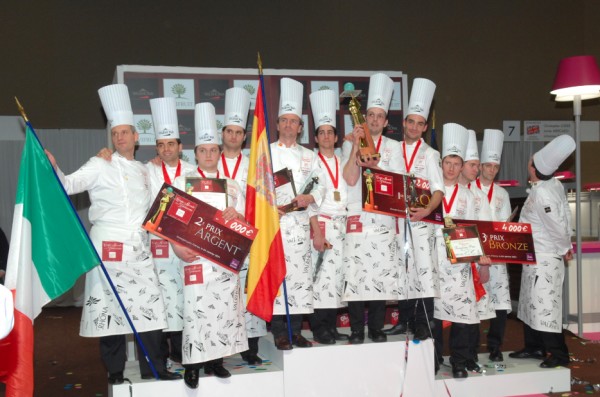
<point x="112" y="286"/>
<point x="262" y="87"/>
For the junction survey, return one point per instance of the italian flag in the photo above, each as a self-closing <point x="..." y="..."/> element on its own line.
<point x="49" y="251"/>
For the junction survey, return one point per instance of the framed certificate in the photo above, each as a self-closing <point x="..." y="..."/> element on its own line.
<point x="210" y="190"/>
<point x="462" y="244"/>
<point x="285" y="190"/>
<point x="389" y="193"/>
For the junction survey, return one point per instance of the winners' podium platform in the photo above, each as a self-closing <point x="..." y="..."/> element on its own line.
<point x="369" y="369"/>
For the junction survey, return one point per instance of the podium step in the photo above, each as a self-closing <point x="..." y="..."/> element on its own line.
<point x="369" y="369"/>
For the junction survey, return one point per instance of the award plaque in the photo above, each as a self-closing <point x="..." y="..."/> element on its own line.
<point x="367" y="146"/>
<point x="462" y="244"/>
<point x="285" y="190"/>
<point x="389" y="193"/>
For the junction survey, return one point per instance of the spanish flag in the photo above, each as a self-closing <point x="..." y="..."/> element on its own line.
<point x="266" y="270"/>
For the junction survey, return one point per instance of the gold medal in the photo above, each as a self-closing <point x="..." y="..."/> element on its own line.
<point x="336" y="196"/>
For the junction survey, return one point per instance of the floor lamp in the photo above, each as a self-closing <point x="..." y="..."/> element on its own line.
<point x="577" y="79"/>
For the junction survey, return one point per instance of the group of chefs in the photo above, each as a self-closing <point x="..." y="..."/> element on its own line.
<point x="337" y="254"/>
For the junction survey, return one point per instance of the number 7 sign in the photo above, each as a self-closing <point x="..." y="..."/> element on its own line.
<point x="512" y="130"/>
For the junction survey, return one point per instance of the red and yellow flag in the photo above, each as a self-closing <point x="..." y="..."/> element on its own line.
<point x="267" y="261"/>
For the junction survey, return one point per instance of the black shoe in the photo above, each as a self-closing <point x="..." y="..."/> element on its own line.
<point x="191" y="378"/>
<point x="459" y="371"/>
<point x="324" y="338"/>
<point x="553" y="362"/>
<point x="283" y="343"/>
<point x="496" y="355"/>
<point x="300" y="341"/>
<point x="377" y="335"/>
<point x="116" y="378"/>
<point x="251" y="357"/>
<point x="337" y="336"/>
<point x="471" y="365"/>
<point x="164" y="375"/>
<point x="217" y="370"/>
<point x="526" y="353"/>
<point x="397" y="329"/>
<point x="357" y="337"/>
<point x="421" y="332"/>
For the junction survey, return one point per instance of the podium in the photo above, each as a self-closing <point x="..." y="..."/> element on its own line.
<point x="368" y="369"/>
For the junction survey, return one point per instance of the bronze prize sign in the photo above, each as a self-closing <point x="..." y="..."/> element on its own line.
<point x="183" y="219"/>
<point x="505" y="241"/>
<point x="389" y="193"/>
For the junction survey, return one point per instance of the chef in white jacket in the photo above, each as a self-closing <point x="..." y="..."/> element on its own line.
<point x="458" y="298"/>
<point x="483" y="212"/>
<point x="294" y="226"/>
<point x="419" y="280"/>
<point x="214" y="324"/>
<point x="234" y="164"/>
<point x="540" y="301"/>
<point x="119" y="192"/>
<point x="371" y="271"/>
<point x="170" y="166"/>
<point x="497" y="196"/>
<point x="328" y="223"/>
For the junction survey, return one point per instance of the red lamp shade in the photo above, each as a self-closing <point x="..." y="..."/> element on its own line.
<point x="577" y="75"/>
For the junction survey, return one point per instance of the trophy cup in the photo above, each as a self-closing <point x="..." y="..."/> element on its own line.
<point x="367" y="147"/>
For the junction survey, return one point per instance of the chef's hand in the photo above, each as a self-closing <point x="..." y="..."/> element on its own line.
<point x="230" y="214"/>
<point x="568" y="256"/>
<point x="50" y="158"/>
<point x="184" y="253"/>
<point x="485" y="261"/>
<point x="105" y="153"/>
<point x="484" y="274"/>
<point x="156" y="161"/>
<point x="303" y="200"/>
<point x="418" y="213"/>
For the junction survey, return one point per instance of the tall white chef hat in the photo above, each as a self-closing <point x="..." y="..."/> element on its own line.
<point x="381" y="87"/>
<point x="455" y="140"/>
<point x="472" y="152"/>
<point x="237" y="104"/>
<point x="491" y="149"/>
<point x="290" y="98"/>
<point x="116" y="104"/>
<point x="323" y="103"/>
<point x="550" y="157"/>
<point x="164" y="117"/>
<point x="206" y="124"/>
<point x="421" y="96"/>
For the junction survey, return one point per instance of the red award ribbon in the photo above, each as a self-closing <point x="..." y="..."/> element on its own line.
<point x="235" y="170"/>
<point x="479" y="290"/>
<point x="166" y="174"/>
<point x="490" y="192"/>
<point x="448" y="207"/>
<point x="336" y="179"/>
<point x="204" y="176"/>
<point x="412" y="158"/>
<point x="378" y="143"/>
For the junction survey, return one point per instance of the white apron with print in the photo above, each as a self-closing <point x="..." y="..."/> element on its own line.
<point x="133" y="273"/>
<point x="329" y="284"/>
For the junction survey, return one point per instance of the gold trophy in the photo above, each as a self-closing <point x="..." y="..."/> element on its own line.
<point x="367" y="147"/>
